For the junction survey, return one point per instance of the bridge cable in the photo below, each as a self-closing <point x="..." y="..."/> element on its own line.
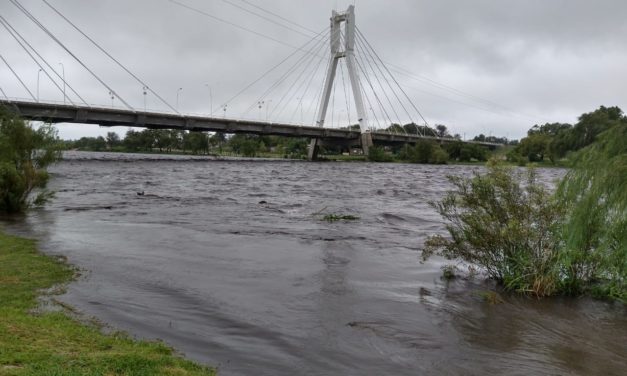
<point x="403" y="71"/>
<point x="390" y="85"/>
<point x="279" y="16"/>
<point x="381" y="107"/>
<point x="284" y="77"/>
<point x="364" y="67"/>
<point x="269" y="70"/>
<point x="41" y="68"/>
<point x="298" y="89"/>
<point x="4" y="94"/>
<point x="391" y="75"/>
<point x="300" y="103"/>
<point x="266" y="18"/>
<point x="18" y="78"/>
<point x="363" y="90"/>
<point x="199" y="11"/>
<point x="111" y="57"/>
<point x="292" y="68"/>
<point x="292" y="86"/>
<point x="370" y="60"/>
<point x="49" y="33"/>
<point x="12" y="30"/>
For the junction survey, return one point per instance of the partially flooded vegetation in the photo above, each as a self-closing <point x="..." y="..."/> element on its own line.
<point x="571" y="242"/>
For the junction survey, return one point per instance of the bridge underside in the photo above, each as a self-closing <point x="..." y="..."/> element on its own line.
<point x="113" y="117"/>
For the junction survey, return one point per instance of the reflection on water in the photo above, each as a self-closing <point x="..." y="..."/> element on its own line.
<point x="229" y="262"/>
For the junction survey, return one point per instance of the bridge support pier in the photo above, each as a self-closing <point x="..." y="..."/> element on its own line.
<point x="314" y="148"/>
<point x="366" y="143"/>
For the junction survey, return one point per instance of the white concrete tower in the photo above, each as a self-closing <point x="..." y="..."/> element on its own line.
<point x="348" y="52"/>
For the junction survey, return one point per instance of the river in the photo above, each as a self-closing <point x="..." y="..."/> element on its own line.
<point x="232" y="264"/>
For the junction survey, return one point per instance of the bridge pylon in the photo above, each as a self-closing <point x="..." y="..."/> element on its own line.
<point x="347" y="52"/>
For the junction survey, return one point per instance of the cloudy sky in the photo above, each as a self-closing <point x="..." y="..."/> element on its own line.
<point x="483" y="66"/>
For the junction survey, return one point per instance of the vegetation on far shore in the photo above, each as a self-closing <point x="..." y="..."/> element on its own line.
<point x="570" y="242"/>
<point x="44" y="342"/>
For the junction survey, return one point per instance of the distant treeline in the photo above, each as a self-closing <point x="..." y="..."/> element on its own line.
<point x="174" y="141"/>
<point x="555" y="141"/>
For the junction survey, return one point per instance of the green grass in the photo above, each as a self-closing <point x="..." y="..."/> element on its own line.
<point x="52" y="343"/>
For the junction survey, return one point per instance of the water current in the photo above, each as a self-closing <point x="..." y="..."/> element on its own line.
<point x="232" y="264"/>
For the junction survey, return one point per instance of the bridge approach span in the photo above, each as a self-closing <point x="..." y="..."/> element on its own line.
<point x="113" y="117"/>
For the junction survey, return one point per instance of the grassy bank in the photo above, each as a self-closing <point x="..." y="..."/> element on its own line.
<point x="52" y="343"/>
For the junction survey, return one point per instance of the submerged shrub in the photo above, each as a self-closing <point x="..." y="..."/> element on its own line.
<point x="504" y="221"/>
<point x="572" y="242"/>
<point x="25" y="153"/>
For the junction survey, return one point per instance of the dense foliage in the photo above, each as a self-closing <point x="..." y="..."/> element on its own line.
<point x="25" y="153"/>
<point x="504" y="226"/>
<point x="163" y="140"/>
<point x="553" y="141"/>
<point x="594" y="232"/>
<point x="571" y="242"/>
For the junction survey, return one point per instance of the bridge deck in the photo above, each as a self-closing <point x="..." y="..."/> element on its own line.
<point x="110" y="117"/>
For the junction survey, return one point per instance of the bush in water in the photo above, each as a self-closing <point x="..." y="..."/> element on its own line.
<point x="25" y="153"/>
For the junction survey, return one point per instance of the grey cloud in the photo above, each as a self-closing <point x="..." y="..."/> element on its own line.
<point x="542" y="60"/>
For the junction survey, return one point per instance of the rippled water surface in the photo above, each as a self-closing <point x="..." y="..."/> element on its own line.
<point x="231" y="263"/>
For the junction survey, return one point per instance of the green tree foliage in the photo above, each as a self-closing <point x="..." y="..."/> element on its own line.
<point x="25" y="154"/>
<point x="556" y="140"/>
<point x="378" y="154"/>
<point x="112" y="140"/>
<point x="534" y="147"/>
<point x="503" y="225"/>
<point x="425" y="151"/>
<point x="465" y="152"/>
<point x="594" y="234"/>
<point x="196" y="142"/>
<point x="572" y="242"/>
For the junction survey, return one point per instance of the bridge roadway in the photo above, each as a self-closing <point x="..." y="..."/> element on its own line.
<point x="112" y="117"/>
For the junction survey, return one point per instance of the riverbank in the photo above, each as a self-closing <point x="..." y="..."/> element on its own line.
<point x="36" y="341"/>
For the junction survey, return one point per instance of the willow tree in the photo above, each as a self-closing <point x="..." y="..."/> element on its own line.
<point x="594" y="232"/>
<point x="25" y="154"/>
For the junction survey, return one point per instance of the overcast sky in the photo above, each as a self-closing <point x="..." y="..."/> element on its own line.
<point x="483" y="66"/>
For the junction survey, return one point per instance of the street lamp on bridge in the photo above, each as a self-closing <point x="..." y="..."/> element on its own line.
<point x="38" y="72"/>
<point x="177" y="97"/>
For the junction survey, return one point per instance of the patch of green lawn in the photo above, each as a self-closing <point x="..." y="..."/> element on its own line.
<point x="52" y="343"/>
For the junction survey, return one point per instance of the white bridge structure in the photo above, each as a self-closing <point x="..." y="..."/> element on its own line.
<point x="372" y="87"/>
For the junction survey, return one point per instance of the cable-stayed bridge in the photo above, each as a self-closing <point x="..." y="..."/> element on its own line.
<point x="373" y="109"/>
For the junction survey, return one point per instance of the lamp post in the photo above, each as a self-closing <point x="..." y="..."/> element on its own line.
<point x="112" y="96"/>
<point x="38" y="72"/>
<point x="260" y="104"/>
<point x="63" y="73"/>
<point x="210" y="100"/>
<point x="144" y="91"/>
<point x="177" y="98"/>
<point x="224" y="111"/>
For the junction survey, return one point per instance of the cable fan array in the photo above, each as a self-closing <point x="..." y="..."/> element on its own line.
<point x="290" y="91"/>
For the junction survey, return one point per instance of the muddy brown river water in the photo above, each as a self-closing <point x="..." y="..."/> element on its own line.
<point x="231" y="263"/>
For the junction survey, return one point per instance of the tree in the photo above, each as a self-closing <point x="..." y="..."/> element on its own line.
<point x="441" y="130"/>
<point x="595" y="230"/>
<point x="113" y="140"/>
<point x="25" y="154"/>
<point x="535" y="146"/>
